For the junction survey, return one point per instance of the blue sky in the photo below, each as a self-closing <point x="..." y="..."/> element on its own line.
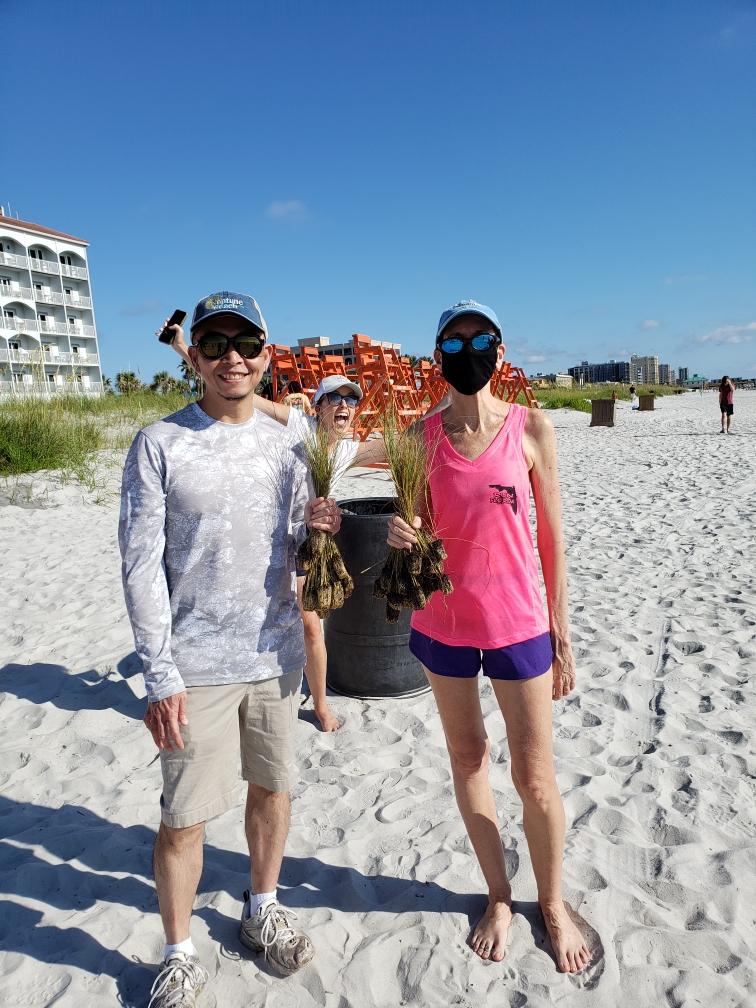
<point x="585" y="168"/>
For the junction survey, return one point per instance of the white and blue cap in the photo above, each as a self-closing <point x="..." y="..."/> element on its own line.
<point x="228" y="303"/>
<point x="468" y="308"/>
<point x="333" y="382"/>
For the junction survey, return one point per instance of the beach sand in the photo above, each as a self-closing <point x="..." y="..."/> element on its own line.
<point x="655" y="754"/>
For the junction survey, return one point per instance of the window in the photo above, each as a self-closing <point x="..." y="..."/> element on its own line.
<point x="42" y="317"/>
<point x="74" y="348"/>
<point x="14" y="346"/>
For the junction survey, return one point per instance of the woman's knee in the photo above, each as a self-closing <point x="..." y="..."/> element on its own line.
<point x="468" y="756"/>
<point x="313" y="631"/>
<point x="535" y="785"/>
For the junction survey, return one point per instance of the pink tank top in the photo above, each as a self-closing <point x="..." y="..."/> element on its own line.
<point x="480" y="511"/>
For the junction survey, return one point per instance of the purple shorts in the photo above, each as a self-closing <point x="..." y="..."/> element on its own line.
<point x="525" y="660"/>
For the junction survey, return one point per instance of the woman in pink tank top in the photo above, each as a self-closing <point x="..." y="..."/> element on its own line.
<point x="485" y="457"/>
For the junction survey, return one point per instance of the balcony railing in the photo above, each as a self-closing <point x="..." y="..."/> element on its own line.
<point x="44" y="265"/>
<point x="86" y="360"/>
<point x="11" y="259"/>
<point x="73" y="271"/>
<point x="11" y="293"/>
<point x="48" y="297"/>
<point x="82" y="330"/>
<point x="19" y="324"/>
<point x="53" y="327"/>
<point x="49" y="388"/>
<point x="80" y="302"/>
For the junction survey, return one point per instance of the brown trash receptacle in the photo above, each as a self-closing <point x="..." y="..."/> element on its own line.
<point x="602" y="413"/>
<point x="646" y="402"/>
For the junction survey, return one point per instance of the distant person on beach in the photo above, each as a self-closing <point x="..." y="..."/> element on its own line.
<point x="634" y="404"/>
<point x="296" y="397"/>
<point x="486" y="456"/>
<point x="213" y="506"/>
<point x="726" y="406"/>
<point x="335" y="402"/>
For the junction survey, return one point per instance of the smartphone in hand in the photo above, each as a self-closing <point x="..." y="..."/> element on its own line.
<point x="166" y="334"/>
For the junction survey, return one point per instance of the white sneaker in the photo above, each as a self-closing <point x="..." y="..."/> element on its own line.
<point x="269" y="931"/>
<point x="179" y="982"/>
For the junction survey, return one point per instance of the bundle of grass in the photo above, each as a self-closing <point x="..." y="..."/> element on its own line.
<point x="409" y="577"/>
<point x="327" y="581"/>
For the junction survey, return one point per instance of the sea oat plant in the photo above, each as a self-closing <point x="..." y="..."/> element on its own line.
<point x="409" y="577"/>
<point x="327" y="581"/>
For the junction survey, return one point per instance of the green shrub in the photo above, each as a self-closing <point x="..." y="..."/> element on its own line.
<point x="40" y="434"/>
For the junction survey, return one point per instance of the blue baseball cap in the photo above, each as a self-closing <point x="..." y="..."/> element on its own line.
<point x="468" y="308"/>
<point x="228" y="303"/>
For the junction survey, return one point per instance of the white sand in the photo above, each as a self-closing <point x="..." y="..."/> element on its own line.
<point x="655" y="754"/>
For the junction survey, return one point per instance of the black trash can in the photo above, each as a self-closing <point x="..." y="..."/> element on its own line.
<point x="368" y="657"/>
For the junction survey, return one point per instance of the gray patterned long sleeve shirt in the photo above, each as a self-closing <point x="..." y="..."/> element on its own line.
<point x="211" y="516"/>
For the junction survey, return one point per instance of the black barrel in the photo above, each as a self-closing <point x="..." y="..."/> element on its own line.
<point x="368" y="657"/>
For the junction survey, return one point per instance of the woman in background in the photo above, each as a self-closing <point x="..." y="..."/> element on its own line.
<point x="726" y="396"/>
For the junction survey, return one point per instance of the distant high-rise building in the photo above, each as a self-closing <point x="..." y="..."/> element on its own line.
<point x="611" y="371"/>
<point x="682" y="375"/>
<point x="48" y="340"/>
<point x="666" y="374"/>
<point x="644" y="370"/>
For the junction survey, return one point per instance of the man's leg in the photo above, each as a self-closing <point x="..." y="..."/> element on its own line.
<point x="268" y="722"/>
<point x="177" y="861"/>
<point x="267" y="825"/>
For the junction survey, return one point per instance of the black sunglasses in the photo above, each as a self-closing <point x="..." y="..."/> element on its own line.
<point x="480" y="341"/>
<point x="334" y="398"/>
<point x="214" y="345"/>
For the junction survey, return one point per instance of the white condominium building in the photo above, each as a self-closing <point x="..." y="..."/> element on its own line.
<point x="644" y="370"/>
<point x="48" y="340"/>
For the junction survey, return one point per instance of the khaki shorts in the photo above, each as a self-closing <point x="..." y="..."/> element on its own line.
<point x="257" y="719"/>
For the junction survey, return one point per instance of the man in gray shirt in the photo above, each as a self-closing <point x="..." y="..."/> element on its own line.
<point x="214" y="504"/>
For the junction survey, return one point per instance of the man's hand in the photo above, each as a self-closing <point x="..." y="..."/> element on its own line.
<point x="163" y="719"/>
<point x="323" y="514"/>
<point x="400" y="534"/>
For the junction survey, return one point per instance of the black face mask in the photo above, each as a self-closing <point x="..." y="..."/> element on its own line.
<point x="469" y="370"/>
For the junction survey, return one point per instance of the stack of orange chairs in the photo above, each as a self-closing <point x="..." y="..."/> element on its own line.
<point x="387" y="380"/>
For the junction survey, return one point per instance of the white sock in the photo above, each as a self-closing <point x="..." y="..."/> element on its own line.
<point x="256" y="900"/>
<point x="186" y="946"/>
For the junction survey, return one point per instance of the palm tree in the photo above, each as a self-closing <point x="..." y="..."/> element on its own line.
<point x="192" y="379"/>
<point x="164" y="382"/>
<point x="127" y="383"/>
<point x="107" y="385"/>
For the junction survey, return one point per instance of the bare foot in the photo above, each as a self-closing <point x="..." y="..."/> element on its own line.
<point x="489" y="937"/>
<point x="570" y="951"/>
<point x="328" y="720"/>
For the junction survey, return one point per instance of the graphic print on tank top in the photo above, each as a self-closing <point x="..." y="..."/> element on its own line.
<point x="504" y="495"/>
<point x="481" y="513"/>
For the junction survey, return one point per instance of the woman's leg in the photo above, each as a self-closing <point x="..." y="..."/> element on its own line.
<point x="459" y="706"/>
<point x="723" y="422"/>
<point x="526" y="705"/>
<point x="316" y="663"/>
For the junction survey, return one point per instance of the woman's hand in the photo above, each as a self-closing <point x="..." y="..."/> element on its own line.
<point x="563" y="670"/>
<point x="322" y="514"/>
<point x="178" y="343"/>
<point x="400" y="534"/>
